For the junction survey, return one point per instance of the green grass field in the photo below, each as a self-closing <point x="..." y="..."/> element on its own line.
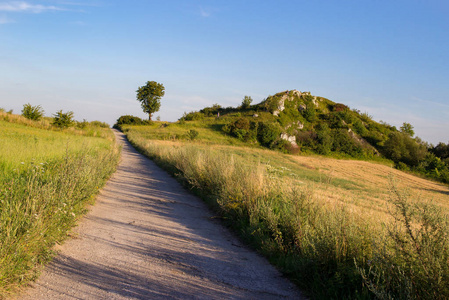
<point x="47" y="177"/>
<point x="338" y="228"/>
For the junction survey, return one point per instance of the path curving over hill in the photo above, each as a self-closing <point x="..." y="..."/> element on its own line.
<point x="147" y="238"/>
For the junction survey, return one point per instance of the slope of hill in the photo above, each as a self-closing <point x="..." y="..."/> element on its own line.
<point x="294" y="121"/>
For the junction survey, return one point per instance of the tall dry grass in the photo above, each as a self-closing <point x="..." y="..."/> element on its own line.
<point x="326" y="249"/>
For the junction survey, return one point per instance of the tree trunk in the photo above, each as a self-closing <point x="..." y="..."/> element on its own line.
<point x="149" y="117"/>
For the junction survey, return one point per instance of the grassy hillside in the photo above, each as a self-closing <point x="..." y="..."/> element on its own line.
<point x="46" y="178"/>
<point x="297" y="122"/>
<point x="339" y="228"/>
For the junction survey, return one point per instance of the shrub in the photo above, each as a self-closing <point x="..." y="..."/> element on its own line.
<point x="211" y="111"/>
<point x="307" y="139"/>
<point x="130" y="120"/>
<point x="366" y="117"/>
<point x="441" y="150"/>
<point x="32" y="112"/>
<point x="192" y="134"/>
<point x="310" y="114"/>
<point x="83" y="124"/>
<point x="63" y="120"/>
<point x="268" y="133"/>
<point x="193" y="116"/>
<point x="100" y="124"/>
<point x="324" y="139"/>
<point x="343" y="142"/>
<point x="340" y="107"/>
<point x="242" y="129"/>
<point x="400" y="147"/>
<point x="359" y="127"/>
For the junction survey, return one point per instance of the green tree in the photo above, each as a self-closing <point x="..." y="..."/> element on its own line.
<point x="32" y="112"/>
<point x="246" y="103"/>
<point x="268" y="134"/>
<point x="407" y="128"/>
<point x="63" y="120"/>
<point x="324" y="138"/>
<point x="150" y="96"/>
<point x="401" y="147"/>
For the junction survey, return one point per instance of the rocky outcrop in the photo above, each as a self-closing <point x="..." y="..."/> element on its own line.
<point x="362" y="141"/>
<point x="289" y="138"/>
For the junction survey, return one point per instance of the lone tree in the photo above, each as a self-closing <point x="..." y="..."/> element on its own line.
<point x="150" y="96"/>
<point x="246" y="102"/>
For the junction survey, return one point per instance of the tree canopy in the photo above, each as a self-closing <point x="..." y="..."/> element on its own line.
<point x="150" y="96"/>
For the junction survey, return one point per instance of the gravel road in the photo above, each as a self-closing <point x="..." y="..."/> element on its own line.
<point x="148" y="238"/>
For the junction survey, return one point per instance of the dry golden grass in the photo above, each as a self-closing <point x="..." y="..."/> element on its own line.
<point x="361" y="187"/>
<point x="325" y="222"/>
<point x="369" y="196"/>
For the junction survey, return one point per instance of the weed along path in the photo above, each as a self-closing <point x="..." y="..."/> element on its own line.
<point x="148" y="238"/>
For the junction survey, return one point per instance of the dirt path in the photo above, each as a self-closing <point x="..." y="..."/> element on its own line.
<point x="147" y="238"/>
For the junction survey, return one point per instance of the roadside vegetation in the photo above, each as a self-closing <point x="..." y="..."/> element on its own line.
<point x="338" y="219"/>
<point x="48" y="175"/>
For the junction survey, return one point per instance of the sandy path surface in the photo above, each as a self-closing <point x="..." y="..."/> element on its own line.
<point x="147" y="238"/>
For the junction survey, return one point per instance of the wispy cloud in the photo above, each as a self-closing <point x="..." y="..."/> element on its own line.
<point x="5" y="20"/>
<point x="204" y="13"/>
<point x="22" y="6"/>
<point x="431" y="102"/>
<point x="78" y="23"/>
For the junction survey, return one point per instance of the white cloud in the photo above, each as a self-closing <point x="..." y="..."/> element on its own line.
<point x="21" y="6"/>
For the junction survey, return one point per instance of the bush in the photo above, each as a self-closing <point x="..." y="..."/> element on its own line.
<point x="211" y="111"/>
<point x="100" y="124"/>
<point x="340" y="107"/>
<point x="32" y="112"/>
<point x="344" y="143"/>
<point x="307" y="139"/>
<point x="192" y="134"/>
<point x="242" y="129"/>
<point x="82" y="124"/>
<point x="130" y="120"/>
<point x="324" y="139"/>
<point x="268" y="134"/>
<point x="192" y="116"/>
<point x="63" y="120"/>
<point x="400" y="147"/>
<point x="441" y="150"/>
<point x="310" y="114"/>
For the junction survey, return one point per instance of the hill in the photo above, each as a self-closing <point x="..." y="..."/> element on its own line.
<point x="294" y="121"/>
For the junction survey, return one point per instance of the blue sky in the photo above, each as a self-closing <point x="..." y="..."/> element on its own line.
<point x="387" y="58"/>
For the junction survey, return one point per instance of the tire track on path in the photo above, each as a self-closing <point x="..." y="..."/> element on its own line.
<point x="148" y="238"/>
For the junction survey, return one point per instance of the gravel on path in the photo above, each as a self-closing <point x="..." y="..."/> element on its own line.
<point x="148" y="238"/>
